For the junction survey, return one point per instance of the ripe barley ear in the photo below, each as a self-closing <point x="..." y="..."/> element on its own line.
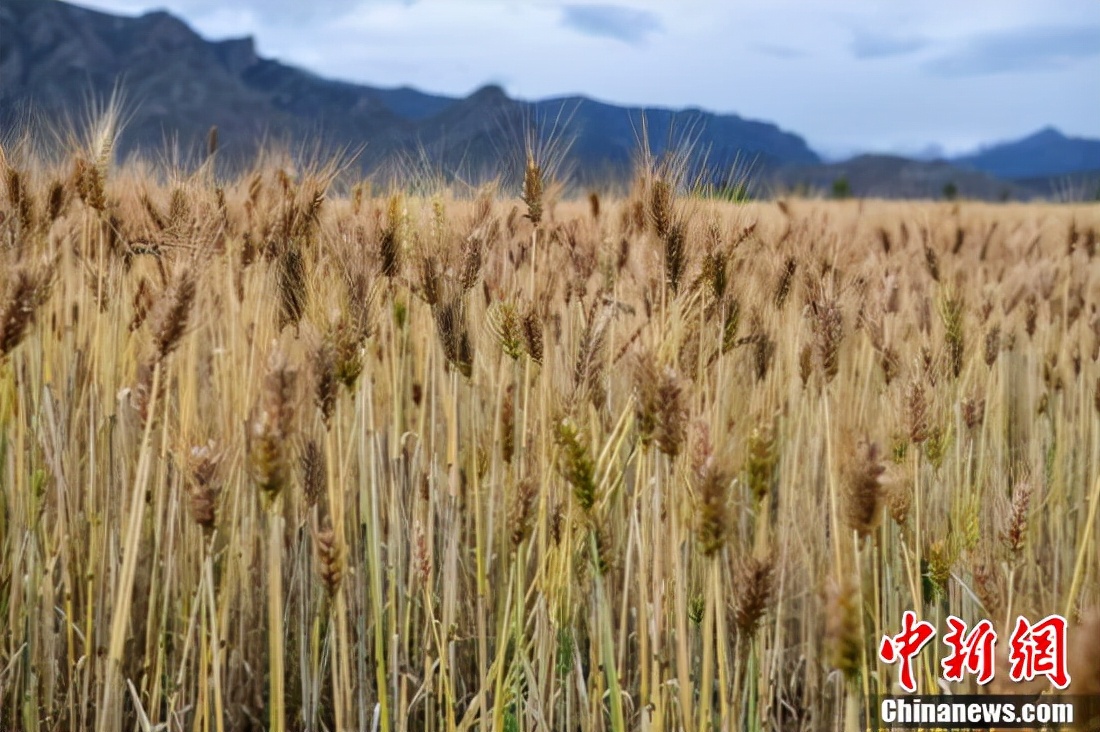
<point x="675" y="255"/>
<point x="646" y="382"/>
<point x="712" y="511"/>
<point x="272" y="428"/>
<point x="520" y="511"/>
<point x="783" y="286"/>
<point x="292" y="284"/>
<point x="762" y="461"/>
<point x="575" y="463"/>
<point x="202" y="492"/>
<point x="951" y="310"/>
<point x="532" y="335"/>
<point x="26" y="291"/>
<point x="325" y="380"/>
<point x="671" y="414"/>
<point x="932" y="262"/>
<point x="330" y="556"/>
<point x="313" y="473"/>
<point x="973" y="412"/>
<point x="660" y="207"/>
<point x="389" y="240"/>
<point x="828" y="334"/>
<point x="754" y="592"/>
<point x="1014" y="534"/>
<point x="863" y="488"/>
<point x="454" y="334"/>
<point x="171" y="321"/>
<point x="916" y="411"/>
<point x="843" y="627"/>
<point x="992" y="345"/>
<point x="533" y="189"/>
<point x="508" y="424"/>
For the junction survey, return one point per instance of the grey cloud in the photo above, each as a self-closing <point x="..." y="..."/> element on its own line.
<point x="878" y="45"/>
<point x="1020" y="50"/>
<point x="628" y="25"/>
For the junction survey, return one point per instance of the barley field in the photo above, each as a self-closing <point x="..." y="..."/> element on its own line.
<point x="290" y="451"/>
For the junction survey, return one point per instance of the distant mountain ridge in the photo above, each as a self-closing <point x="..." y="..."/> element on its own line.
<point x="55" y="55"/>
<point x="1045" y="153"/>
<point x="180" y="85"/>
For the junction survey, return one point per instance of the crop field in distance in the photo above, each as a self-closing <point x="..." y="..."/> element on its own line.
<point x="292" y="451"/>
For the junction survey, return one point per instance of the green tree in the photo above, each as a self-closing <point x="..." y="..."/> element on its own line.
<point x="842" y="188"/>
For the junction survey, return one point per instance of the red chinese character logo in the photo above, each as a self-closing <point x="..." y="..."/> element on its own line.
<point x="1039" y="650"/>
<point x="971" y="652"/>
<point x="905" y="645"/>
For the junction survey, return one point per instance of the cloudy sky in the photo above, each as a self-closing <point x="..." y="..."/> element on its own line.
<point x="848" y="76"/>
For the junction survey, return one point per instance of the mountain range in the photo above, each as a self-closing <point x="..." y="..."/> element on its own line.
<point x="55" y="56"/>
